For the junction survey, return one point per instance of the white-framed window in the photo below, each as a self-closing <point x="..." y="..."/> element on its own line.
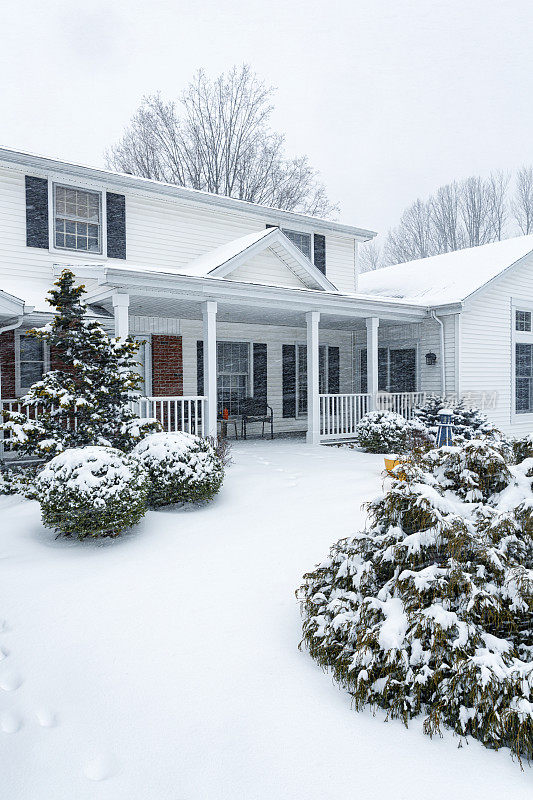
<point x="31" y="361"/>
<point x="523" y="321"/>
<point x="233" y="375"/>
<point x="303" y="241"/>
<point x="523" y="378"/>
<point x="77" y="219"/>
<point x="301" y="375"/>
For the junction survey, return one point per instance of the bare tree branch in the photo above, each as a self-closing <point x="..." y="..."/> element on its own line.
<point x="522" y="203"/>
<point x="217" y="138"/>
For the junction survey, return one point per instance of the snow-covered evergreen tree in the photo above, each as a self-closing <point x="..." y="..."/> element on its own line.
<point x="84" y="401"/>
<point x="468" y="422"/>
<point x="429" y="610"/>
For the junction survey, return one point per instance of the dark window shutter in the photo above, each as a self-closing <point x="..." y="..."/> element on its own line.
<point x="319" y="249"/>
<point x="36" y="212"/>
<point x="260" y="371"/>
<point x="200" y="367"/>
<point x="116" y="225"/>
<point x="364" y="376"/>
<point x="333" y="370"/>
<point x="289" y="380"/>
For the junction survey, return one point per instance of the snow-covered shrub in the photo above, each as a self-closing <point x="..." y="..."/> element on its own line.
<point x="522" y="448"/>
<point x="135" y="430"/>
<point x="388" y="432"/>
<point x="19" y="480"/>
<point x="382" y="432"/>
<point x="92" y="491"/>
<point x="429" y="610"/>
<point x="468" y="422"/>
<point x="476" y="470"/>
<point x="182" y="467"/>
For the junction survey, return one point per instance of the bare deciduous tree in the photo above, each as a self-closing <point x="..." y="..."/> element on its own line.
<point x="217" y="138"/>
<point x="370" y="256"/>
<point x="414" y="236"/>
<point x="522" y="203"/>
<point x="445" y="215"/>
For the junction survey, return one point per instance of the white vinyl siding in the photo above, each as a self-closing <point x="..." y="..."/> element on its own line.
<point x="161" y="233"/>
<point x="488" y="338"/>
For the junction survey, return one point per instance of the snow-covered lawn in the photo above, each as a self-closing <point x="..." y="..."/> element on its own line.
<point x="165" y="665"/>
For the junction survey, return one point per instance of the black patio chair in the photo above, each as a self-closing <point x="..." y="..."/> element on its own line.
<point x="254" y="409"/>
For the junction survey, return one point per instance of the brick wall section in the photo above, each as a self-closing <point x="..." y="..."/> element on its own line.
<point x="167" y="366"/>
<point x="7" y="363"/>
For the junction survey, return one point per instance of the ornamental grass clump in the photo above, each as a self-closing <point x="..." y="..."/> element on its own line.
<point x="183" y="468"/>
<point x="429" y="610"/>
<point x="92" y="491"/>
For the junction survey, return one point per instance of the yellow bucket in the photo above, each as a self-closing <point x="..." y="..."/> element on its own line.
<point x="390" y="463"/>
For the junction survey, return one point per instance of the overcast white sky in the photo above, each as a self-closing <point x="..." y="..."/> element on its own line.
<point x="388" y="98"/>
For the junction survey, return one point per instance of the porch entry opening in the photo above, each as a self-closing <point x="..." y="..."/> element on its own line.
<point x="301" y="379"/>
<point x="396" y="370"/>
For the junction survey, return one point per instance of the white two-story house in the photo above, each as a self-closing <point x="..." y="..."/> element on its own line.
<point x="232" y="301"/>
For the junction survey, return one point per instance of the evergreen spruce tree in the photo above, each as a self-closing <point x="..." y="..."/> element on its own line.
<point x="429" y="610"/>
<point x="84" y="400"/>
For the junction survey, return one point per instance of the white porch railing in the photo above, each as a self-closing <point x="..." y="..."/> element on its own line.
<point x="174" y="413"/>
<point x="401" y="403"/>
<point x="340" y="413"/>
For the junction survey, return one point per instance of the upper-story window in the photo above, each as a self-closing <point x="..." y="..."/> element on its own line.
<point x="77" y="219"/>
<point x="301" y="240"/>
<point x="523" y="321"/>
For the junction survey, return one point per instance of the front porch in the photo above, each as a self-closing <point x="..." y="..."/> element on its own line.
<point x="320" y="360"/>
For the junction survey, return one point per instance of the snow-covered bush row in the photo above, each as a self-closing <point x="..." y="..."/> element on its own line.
<point x="182" y="467"/>
<point x="92" y="491"/>
<point x="468" y="422"/>
<point x="19" y="480"/>
<point x="387" y="432"/>
<point x="430" y="609"/>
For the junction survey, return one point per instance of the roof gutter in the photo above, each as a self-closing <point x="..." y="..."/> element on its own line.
<point x="442" y="352"/>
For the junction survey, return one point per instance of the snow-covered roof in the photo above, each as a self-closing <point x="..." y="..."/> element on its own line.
<point x="222" y="261"/>
<point x="210" y="261"/>
<point x="446" y="278"/>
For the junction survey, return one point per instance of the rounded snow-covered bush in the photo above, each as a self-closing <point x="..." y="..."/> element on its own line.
<point x="135" y="430"/>
<point x="382" y="432"/>
<point x="429" y="609"/>
<point x="92" y="491"/>
<point x="182" y="467"/>
<point x="468" y="422"/>
<point x="388" y="432"/>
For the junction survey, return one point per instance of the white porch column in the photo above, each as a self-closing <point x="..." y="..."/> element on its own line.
<point x="121" y="304"/>
<point x="313" y="402"/>
<point x="209" y="312"/>
<point x="372" y="325"/>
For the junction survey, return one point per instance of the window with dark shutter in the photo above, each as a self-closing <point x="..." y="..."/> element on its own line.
<point x="319" y="252"/>
<point x="260" y="371"/>
<point x="116" y="225"/>
<point x="36" y="212"/>
<point x="289" y="380"/>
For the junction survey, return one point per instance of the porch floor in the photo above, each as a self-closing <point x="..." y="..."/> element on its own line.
<point x="166" y="664"/>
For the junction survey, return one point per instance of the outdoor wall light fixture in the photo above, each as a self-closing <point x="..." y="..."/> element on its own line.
<point x="431" y="359"/>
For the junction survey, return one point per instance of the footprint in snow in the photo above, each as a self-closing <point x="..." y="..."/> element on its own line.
<point x="10" y="722"/>
<point x="4" y="652"/>
<point x="46" y="718"/>
<point x="100" y="767"/>
<point x="10" y="681"/>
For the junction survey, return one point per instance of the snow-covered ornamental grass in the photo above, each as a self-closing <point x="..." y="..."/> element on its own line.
<point x="429" y="610"/>
<point x="182" y="468"/>
<point x="92" y="491"/>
